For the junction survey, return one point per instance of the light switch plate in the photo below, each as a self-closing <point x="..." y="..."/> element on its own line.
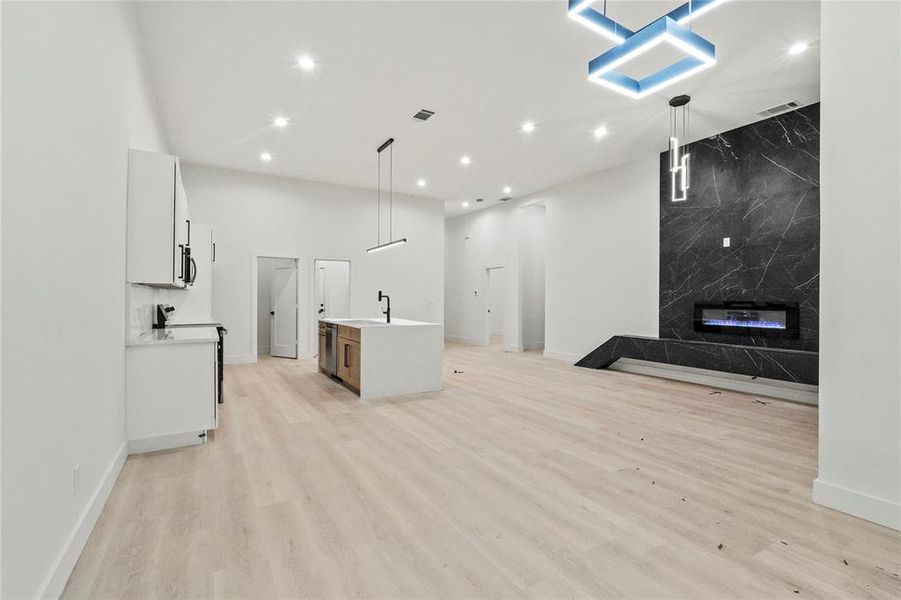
<point x="727" y="242"/>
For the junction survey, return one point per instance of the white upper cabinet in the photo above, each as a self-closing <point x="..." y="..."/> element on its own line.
<point x="159" y="226"/>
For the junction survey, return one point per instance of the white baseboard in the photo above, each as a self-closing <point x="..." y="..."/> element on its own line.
<point x="533" y="346"/>
<point x="166" y="442"/>
<point x="239" y="359"/>
<point x="784" y="390"/>
<point x="878" y="510"/>
<point x="463" y="340"/>
<point x="56" y="580"/>
<point x="570" y="358"/>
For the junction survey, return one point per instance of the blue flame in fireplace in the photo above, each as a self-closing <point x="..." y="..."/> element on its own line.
<point x="746" y="324"/>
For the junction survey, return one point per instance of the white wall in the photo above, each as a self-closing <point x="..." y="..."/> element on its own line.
<point x="75" y="98"/>
<point x="265" y="269"/>
<point x="334" y="278"/>
<point x="603" y="256"/>
<point x="533" y="252"/>
<point x="601" y="261"/>
<point x="258" y="214"/>
<point x="860" y="288"/>
<point x="475" y="242"/>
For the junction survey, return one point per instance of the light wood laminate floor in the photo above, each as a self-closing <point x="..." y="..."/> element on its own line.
<point x="525" y="477"/>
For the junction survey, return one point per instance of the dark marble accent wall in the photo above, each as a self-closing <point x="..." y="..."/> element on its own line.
<point x="759" y="186"/>
<point x="796" y="366"/>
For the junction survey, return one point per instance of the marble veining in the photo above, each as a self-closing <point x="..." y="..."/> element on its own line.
<point x="759" y="186"/>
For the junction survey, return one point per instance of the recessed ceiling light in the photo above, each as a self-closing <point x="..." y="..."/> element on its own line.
<point x="507" y="189"/>
<point x="528" y="127"/>
<point x="797" y="48"/>
<point x="280" y="122"/>
<point x="421" y="183"/>
<point x="600" y="132"/>
<point x="465" y="160"/>
<point x="306" y="63"/>
<point x="265" y="157"/>
<point x="466" y="205"/>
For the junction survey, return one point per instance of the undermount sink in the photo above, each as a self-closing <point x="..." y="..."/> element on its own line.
<point x="358" y="322"/>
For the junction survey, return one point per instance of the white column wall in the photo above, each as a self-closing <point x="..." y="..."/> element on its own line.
<point x="860" y="290"/>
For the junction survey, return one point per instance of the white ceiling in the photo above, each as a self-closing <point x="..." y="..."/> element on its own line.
<point x="223" y="70"/>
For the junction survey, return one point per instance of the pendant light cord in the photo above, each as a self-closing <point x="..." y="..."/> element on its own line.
<point x="391" y="194"/>
<point x="378" y="217"/>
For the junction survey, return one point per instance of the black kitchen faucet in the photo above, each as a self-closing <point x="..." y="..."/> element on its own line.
<point x="387" y="313"/>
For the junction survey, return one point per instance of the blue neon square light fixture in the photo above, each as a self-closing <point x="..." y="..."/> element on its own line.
<point x="581" y="12"/>
<point x="692" y="10"/>
<point x="701" y="55"/>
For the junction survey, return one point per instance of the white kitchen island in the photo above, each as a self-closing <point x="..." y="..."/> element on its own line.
<point x="379" y="359"/>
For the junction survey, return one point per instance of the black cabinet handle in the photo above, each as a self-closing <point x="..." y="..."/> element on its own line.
<point x="181" y="262"/>
<point x="188" y="221"/>
<point x="272" y="312"/>
<point x="214" y="251"/>
<point x="346" y="348"/>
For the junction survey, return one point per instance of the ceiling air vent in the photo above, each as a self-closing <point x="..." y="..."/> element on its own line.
<point x="505" y="199"/>
<point x="775" y="110"/>
<point x="423" y="115"/>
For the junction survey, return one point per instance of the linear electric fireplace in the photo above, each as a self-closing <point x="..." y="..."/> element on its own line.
<point x="764" y="319"/>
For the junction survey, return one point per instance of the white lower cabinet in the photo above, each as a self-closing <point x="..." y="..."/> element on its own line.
<point x="171" y="394"/>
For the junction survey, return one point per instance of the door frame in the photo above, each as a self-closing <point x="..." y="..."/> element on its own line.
<point x="486" y="319"/>
<point x="254" y="297"/>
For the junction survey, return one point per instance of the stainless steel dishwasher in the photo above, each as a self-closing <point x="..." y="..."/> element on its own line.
<point x="331" y="349"/>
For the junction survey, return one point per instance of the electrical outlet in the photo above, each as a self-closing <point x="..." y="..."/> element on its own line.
<point x="727" y="242"/>
<point x="76" y="480"/>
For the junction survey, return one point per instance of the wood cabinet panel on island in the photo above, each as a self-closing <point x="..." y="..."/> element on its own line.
<point x="378" y="359"/>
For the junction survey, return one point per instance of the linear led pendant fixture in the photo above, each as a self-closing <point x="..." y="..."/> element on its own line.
<point x="678" y="164"/>
<point x="391" y="243"/>
<point x="387" y="245"/>
<point x="701" y="55"/>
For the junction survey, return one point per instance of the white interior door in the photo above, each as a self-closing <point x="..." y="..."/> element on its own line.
<point x="283" y="313"/>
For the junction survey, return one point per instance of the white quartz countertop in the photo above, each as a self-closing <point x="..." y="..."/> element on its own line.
<point x="178" y="335"/>
<point x="361" y="323"/>
<point x="188" y="322"/>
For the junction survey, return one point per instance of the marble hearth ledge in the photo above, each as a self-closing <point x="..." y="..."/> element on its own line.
<point x="796" y="366"/>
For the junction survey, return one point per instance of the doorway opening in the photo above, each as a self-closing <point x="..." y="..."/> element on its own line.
<point x="277" y="307"/>
<point x="332" y="289"/>
<point x="494" y="321"/>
